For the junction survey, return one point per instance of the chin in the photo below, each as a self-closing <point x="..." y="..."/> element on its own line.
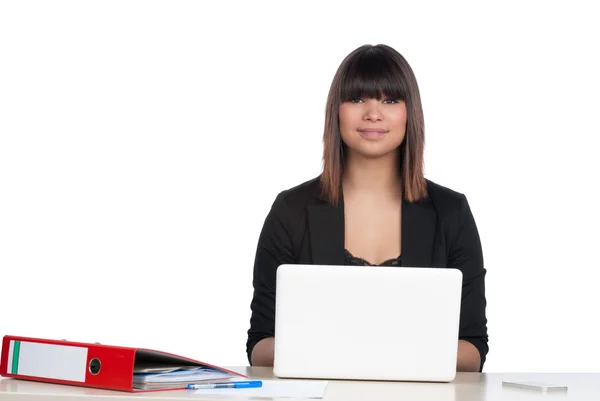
<point x="372" y="152"/>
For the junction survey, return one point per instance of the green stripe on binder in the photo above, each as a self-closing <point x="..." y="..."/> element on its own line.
<point x="15" y="359"/>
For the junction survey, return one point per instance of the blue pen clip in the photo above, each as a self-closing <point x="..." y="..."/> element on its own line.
<point x="234" y="384"/>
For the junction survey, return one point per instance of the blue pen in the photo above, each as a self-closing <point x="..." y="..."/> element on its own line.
<point x="236" y="384"/>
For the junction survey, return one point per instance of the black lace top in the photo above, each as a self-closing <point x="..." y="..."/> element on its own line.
<point x="354" y="260"/>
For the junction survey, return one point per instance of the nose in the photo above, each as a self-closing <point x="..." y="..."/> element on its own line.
<point x="371" y="110"/>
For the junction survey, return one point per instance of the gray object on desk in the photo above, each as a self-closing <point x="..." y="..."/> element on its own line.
<point x="537" y="386"/>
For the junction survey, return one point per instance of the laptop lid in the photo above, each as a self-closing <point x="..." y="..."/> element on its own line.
<point x="367" y="322"/>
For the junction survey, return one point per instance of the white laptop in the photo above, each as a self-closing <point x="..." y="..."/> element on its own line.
<point x="367" y="323"/>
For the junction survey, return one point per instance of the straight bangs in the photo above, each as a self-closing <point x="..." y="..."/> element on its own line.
<point x="371" y="75"/>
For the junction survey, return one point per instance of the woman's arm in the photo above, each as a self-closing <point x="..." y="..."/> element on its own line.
<point x="263" y="353"/>
<point x="466" y="255"/>
<point x="274" y="249"/>
<point x="469" y="359"/>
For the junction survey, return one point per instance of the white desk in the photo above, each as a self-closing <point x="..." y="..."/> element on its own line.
<point x="466" y="387"/>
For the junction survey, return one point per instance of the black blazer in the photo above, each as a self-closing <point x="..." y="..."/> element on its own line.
<point x="302" y="228"/>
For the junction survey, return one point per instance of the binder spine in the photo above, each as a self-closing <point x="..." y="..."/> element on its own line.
<point x="48" y="361"/>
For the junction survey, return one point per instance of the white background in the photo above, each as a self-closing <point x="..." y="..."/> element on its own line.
<point x="143" y="142"/>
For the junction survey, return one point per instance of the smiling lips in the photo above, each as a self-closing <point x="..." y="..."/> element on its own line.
<point x="372" y="133"/>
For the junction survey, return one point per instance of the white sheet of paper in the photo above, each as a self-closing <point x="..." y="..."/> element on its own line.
<point x="275" y="389"/>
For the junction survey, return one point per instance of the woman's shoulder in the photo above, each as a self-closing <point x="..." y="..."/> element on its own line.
<point x="447" y="201"/>
<point x="298" y="197"/>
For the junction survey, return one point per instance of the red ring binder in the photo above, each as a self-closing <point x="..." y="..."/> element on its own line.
<point x="89" y="364"/>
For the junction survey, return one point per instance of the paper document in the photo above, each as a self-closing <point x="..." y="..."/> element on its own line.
<point x="160" y="368"/>
<point x="179" y="378"/>
<point x="275" y="389"/>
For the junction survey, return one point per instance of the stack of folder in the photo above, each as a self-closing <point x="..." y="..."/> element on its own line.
<point x="104" y="366"/>
<point x="157" y="377"/>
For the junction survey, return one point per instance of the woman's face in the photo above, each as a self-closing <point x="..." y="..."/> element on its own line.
<point x="371" y="127"/>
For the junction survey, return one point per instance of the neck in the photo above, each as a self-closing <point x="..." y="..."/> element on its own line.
<point x="376" y="176"/>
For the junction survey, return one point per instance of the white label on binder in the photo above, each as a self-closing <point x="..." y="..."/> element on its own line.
<point x="50" y="361"/>
<point x="11" y="351"/>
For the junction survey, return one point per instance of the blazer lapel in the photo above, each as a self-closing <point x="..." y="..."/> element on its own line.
<point x="326" y="230"/>
<point x="418" y="232"/>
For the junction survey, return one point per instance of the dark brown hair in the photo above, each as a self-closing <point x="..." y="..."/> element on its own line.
<point x="374" y="72"/>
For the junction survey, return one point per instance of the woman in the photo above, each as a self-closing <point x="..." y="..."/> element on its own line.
<point x="372" y="205"/>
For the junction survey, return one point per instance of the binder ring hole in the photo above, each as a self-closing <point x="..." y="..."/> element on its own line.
<point x="95" y="366"/>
